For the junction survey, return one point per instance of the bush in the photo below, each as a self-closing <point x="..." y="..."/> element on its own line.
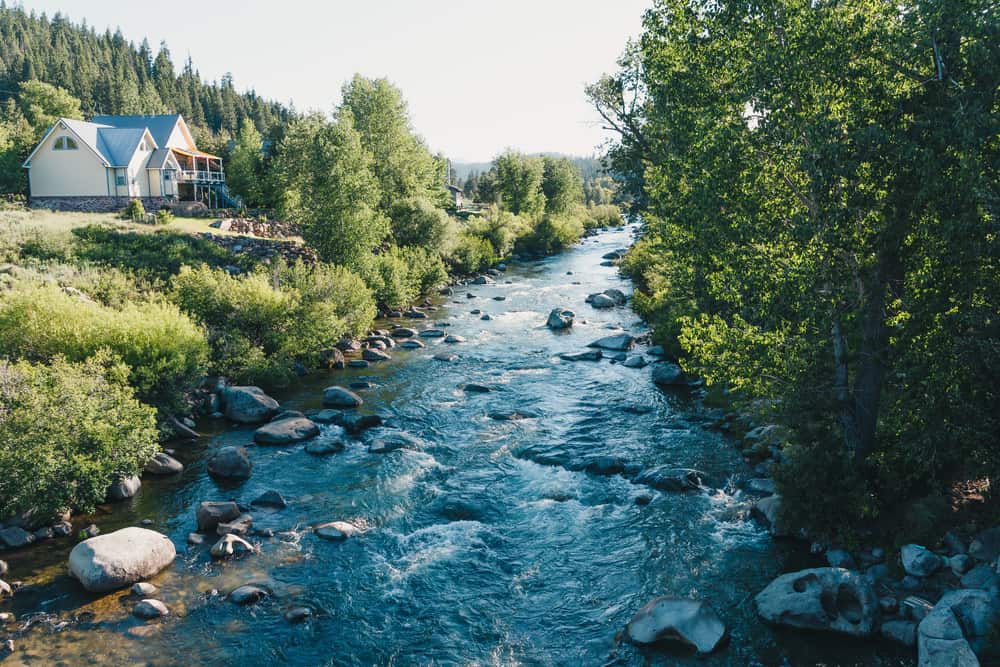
<point x="416" y="221"/>
<point x="471" y="254"/>
<point x="163" y="349"/>
<point x="259" y="323"/>
<point x="602" y="216"/>
<point x="164" y="216"/>
<point x="388" y="276"/>
<point x="500" y="228"/>
<point x="135" y="211"/>
<point x="552" y="233"/>
<point x="157" y="255"/>
<point x="427" y="270"/>
<point x="67" y="431"/>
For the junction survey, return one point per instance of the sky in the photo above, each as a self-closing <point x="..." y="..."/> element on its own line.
<point x="480" y="76"/>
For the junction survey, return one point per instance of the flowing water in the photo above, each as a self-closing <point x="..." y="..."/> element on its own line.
<point x="484" y="545"/>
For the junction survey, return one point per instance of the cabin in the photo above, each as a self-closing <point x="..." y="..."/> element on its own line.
<point x="457" y="196"/>
<point x="102" y="164"/>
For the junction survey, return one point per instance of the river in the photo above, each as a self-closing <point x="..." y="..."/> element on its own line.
<point x="476" y="551"/>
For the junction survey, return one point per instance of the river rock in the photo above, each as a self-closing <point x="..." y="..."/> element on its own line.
<point x="270" y="499"/>
<point x="385" y="441"/>
<point x="230" y="463"/>
<point x="615" y="295"/>
<point x="248" y="405"/>
<point x="601" y="301"/>
<point x="919" y="561"/>
<point x="229" y="546"/>
<point x="902" y="632"/>
<point x="668" y="374"/>
<point x="446" y="356"/>
<point x="411" y="345"/>
<point x="981" y="576"/>
<point x="121" y="558"/>
<point x="635" y="361"/>
<point x="769" y="511"/>
<point x="248" y="594"/>
<point x="325" y="446"/>
<point x="286" y="431"/>
<point x="617" y="342"/>
<point x="340" y="397"/>
<point x="5" y="590"/>
<point x="486" y="317"/>
<point x="474" y="388"/>
<point x="481" y="280"/>
<point x="454" y="338"/>
<point x="403" y="332"/>
<point x="149" y="609"/>
<point x="287" y="414"/>
<point x="353" y="422"/>
<point x="560" y="318"/>
<point x="823" y="598"/>
<point x="163" y="464"/>
<point x="124" y="489"/>
<point x="691" y="622"/>
<point x="841" y="558"/>
<point x="986" y="545"/>
<point x="241" y="525"/>
<point x="667" y="478"/>
<point x="211" y="513"/>
<point x="371" y="354"/>
<point x="589" y="355"/>
<point x="956" y="628"/>
<point x="15" y="537"/>
<point x="4" y="568"/>
<point x="358" y="363"/>
<point x="432" y="333"/>
<point x="762" y="485"/>
<point x="336" y="531"/>
<point x="514" y="415"/>
<point x="298" y="614"/>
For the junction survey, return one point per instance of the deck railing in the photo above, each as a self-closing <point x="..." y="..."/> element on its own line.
<point x="190" y="175"/>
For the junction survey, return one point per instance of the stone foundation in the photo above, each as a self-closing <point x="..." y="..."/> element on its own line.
<point x="97" y="204"/>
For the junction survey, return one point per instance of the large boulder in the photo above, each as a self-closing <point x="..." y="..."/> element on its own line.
<point x="601" y="301"/>
<point x="616" y="295"/>
<point x="211" y="513"/>
<point x="668" y="374"/>
<point x="286" y="431"/>
<point x="124" y="488"/>
<point x="769" y="511"/>
<point x="163" y="464"/>
<point x="668" y="478"/>
<point x="919" y="561"/>
<point x="230" y="463"/>
<point x="589" y="355"/>
<point x="823" y="598"/>
<point x="248" y="405"/>
<point x="340" y="397"/>
<point x="560" y="318"/>
<point x="119" y="559"/>
<point x="691" y="622"/>
<point x="617" y="342"/>
<point x="15" y="537"/>
<point x="986" y="545"/>
<point x="336" y="531"/>
<point x="956" y="628"/>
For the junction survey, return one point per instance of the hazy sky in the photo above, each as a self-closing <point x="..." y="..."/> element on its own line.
<point x="479" y="76"/>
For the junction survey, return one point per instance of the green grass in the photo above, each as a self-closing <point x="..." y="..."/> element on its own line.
<point x="59" y="221"/>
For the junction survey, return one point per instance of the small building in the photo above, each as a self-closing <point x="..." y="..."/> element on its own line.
<point x="102" y="164"/>
<point x="457" y="196"/>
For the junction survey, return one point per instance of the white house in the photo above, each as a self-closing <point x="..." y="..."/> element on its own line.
<point x="100" y="165"/>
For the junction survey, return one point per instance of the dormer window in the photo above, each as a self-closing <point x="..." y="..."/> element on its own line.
<point x="65" y="144"/>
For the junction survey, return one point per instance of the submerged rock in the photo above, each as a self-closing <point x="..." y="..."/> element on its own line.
<point x="248" y="594"/>
<point x="121" y="558"/>
<point x="617" y="342"/>
<point x="325" y="447"/>
<point x="823" y="598"/>
<point x="270" y="499"/>
<point x="149" y="609"/>
<point x="667" y="478"/>
<point x="691" y="622"/>
<point x="589" y="355"/>
<point x="371" y="354"/>
<point x="286" y="431"/>
<point x="336" y="531"/>
<point x="211" y="513"/>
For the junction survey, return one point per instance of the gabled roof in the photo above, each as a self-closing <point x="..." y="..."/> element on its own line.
<point x="84" y="131"/>
<point x="158" y="159"/>
<point x="118" y="144"/>
<point x="160" y="126"/>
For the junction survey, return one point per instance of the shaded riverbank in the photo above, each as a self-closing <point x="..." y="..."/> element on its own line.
<point x="477" y="550"/>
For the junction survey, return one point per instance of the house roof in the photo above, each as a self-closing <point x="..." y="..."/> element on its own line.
<point x="118" y="144"/>
<point x="159" y="126"/>
<point x="158" y="159"/>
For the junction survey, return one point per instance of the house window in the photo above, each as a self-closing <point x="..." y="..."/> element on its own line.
<point x="120" y="181"/>
<point x="166" y="175"/>
<point x="65" y="144"/>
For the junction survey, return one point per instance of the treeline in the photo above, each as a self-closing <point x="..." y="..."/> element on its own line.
<point x="598" y="186"/>
<point x="820" y="183"/>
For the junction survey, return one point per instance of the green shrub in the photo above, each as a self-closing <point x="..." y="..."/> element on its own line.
<point x="500" y="228"/>
<point x="427" y="270"/>
<point x="164" y="350"/>
<point x="164" y="216"/>
<point x="471" y="253"/>
<point x="416" y="221"/>
<point x="550" y="234"/>
<point x="67" y="431"/>
<point x="135" y="211"/>
<point x="259" y="323"/>
<point x="157" y="255"/>
<point x="388" y="276"/>
<point x="601" y="216"/>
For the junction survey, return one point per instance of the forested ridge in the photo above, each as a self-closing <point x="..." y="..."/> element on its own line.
<point x="820" y="186"/>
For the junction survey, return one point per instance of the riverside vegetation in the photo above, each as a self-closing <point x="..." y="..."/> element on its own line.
<point x="148" y="314"/>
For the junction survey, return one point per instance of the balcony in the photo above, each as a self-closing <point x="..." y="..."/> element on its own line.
<point x="199" y="176"/>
